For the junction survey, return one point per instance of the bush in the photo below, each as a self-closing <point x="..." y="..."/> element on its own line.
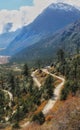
<point x="15" y="126"/>
<point x="65" y="91"/>
<point x="74" y="87"/>
<point x="39" y="117"/>
<point x="48" y="88"/>
<point x="64" y="94"/>
<point x="70" y="86"/>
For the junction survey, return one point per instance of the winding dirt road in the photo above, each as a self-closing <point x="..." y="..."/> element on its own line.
<point x="10" y="96"/>
<point x="54" y="99"/>
<point x="56" y="94"/>
<point x="35" y="79"/>
<point x="57" y="90"/>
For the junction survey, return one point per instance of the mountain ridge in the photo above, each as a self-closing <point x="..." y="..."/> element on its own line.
<point x="67" y="39"/>
<point x="46" y="23"/>
<point x="6" y="38"/>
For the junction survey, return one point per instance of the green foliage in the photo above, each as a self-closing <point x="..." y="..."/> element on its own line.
<point x="25" y="71"/>
<point x="26" y="96"/>
<point x="65" y="91"/>
<point x="39" y="117"/>
<point x="74" y="87"/>
<point x="49" y="80"/>
<point x="2" y="81"/>
<point x="69" y="87"/>
<point x="70" y="68"/>
<point x="11" y="83"/>
<point x="4" y="105"/>
<point x="39" y="63"/>
<point x="61" y="55"/>
<point x="15" y="126"/>
<point x="48" y="88"/>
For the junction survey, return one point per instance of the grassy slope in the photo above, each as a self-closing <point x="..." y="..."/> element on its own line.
<point x="65" y="117"/>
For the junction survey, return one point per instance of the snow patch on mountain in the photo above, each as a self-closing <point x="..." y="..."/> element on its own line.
<point x="26" y="14"/>
<point x="62" y="6"/>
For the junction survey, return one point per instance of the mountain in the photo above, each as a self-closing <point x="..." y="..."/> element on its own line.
<point x="52" y="19"/>
<point x="6" y="38"/>
<point x="68" y="39"/>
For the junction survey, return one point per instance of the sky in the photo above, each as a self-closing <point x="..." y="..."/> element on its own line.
<point x="14" y="4"/>
<point x="18" y="13"/>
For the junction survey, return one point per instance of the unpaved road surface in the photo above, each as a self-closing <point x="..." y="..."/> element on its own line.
<point x="56" y="94"/>
<point x="53" y="100"/>
<point x="35" y="79"/>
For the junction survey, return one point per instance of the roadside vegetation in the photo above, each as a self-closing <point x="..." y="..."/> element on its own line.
<point x="21" y="99"/>
<point x="26" y="96"/>
<point x="70" y="68"/>
<point x="65" y="115"/>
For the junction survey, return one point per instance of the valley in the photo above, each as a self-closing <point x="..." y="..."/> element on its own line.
<point x="26" y="96"/>
<point x="10" y="94"/>
<point x="40" y="68"/>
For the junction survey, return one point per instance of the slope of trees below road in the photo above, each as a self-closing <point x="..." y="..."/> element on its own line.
<point x="65" y="115"/>
<point x="70" y="68"/>
<point x="26" y="96"/>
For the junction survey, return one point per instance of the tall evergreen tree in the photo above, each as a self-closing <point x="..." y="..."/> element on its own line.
<point x="48" y="87"/>
<point x="25" y="71"/>
<point x="11" y="83"/>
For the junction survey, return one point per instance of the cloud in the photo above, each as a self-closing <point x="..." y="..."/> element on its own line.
<point x="72" y="2"/>
<point x="27" y="14"/>
<point x="7" y="27"/>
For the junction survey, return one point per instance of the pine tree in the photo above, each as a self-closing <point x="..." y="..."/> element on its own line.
<point x="48" y="87"/>
<point x="25" y="71"/>
<point x="11" y="83"/>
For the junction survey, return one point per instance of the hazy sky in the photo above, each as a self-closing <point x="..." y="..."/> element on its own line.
<point x="14" y="4"/>
<point x="22" y="12"/>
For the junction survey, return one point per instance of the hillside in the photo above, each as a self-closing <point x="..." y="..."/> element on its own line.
<point x="66" y="117"/>
<point x="68" y="39"/>
<point x="65" y="114"/>
<point x="28" y="101"/>
<point x="52" y="19"/>
<point x="40" y="65"/>
<point x="7" y="37"/>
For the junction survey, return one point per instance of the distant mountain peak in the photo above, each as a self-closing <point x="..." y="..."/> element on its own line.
<point x="52" y="19"/>
<point x="62" y="6"/>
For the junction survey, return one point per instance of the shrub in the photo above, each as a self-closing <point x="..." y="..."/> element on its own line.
<point x="39" y="117"/>
<point x="15" y="126"/>
<point x="48" y="88"/>
<point x="64" y="94"/>
<point x="65" y="91"/>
